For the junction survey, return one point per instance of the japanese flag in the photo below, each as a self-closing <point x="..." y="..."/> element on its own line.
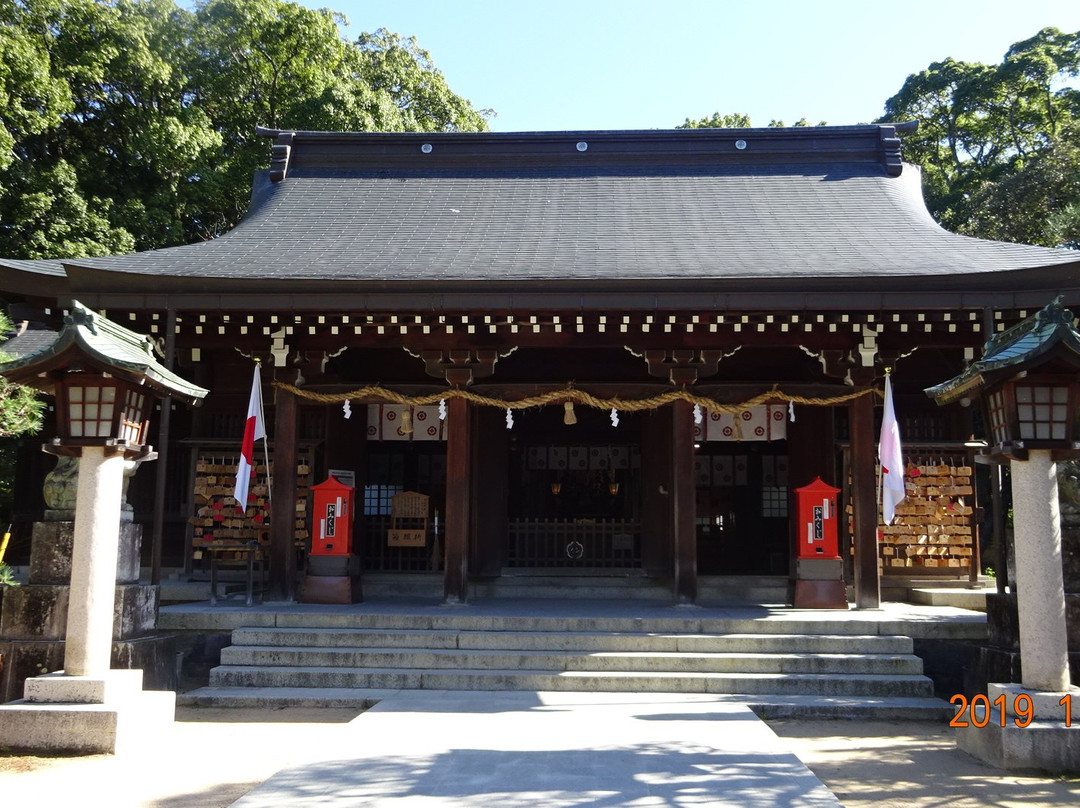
<point x="254" y="429"/>
<point x="892" y="461"/>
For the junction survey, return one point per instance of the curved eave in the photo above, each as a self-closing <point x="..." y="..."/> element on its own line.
<point x="34" y="279"/>
<point x="1063" y="347"/>
<point x="72" y="349"/>
<point x="1020" y="287"/>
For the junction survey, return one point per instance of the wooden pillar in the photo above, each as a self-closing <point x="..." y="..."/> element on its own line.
<point x="458" y="493"/>
<point x="162" y="470"/>
<point x="283" y="506"/>
<point x="489" y="450"/>
<point x="657" y="538"/>
<point x="864" y="499"/>
<point x="684" y="503"/>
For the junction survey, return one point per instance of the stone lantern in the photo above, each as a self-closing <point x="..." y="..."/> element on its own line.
<point x="1029" y="381"/>
<point x="104" y="379"/>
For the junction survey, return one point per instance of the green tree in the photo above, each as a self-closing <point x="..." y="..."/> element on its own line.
<point x="718" y="120"/>
<point x="736" y="120"/>
<point x="20" y="408"/>
<point x="398" y="66"/>
<point x="130" y="124"/>
<point x="31" y="98"/>
<point x="280" y="65"/>
<point x="990" y="136"/>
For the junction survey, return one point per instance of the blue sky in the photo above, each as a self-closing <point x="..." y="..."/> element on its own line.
<point x="632" y="64"/>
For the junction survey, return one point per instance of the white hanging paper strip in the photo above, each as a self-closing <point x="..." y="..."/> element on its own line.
<point x="442" y="409"/>
<point x="697" y="414"/>
<point x="347" y="409"/>
<point x="614" y="417"/>
<point x="509" y="418"/>
<point x="791" y="411"/>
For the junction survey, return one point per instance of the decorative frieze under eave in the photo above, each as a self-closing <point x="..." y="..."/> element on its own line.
<point x="916" y="324"/>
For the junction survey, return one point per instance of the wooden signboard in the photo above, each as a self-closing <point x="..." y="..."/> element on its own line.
<point x="406" y="538"/>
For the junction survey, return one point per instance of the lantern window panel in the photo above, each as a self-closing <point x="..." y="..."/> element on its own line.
<point x="999" y="422"/>
<point x="131" y="418"/>
<point x="1042" y="411"/>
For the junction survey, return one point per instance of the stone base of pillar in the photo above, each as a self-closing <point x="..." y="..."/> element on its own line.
<point x="1048" y="743"/>
<point x="33" y="617"/>
<point x="107" y="714"/>
<point x="154" y="656"/>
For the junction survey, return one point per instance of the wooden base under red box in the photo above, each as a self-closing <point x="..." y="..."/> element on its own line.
<point x="820" y="595"/>
<point x="331" y="589"/>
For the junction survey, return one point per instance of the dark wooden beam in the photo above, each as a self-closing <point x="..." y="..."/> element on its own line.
<point x="1029" y="288"/>
<point x="458" y="492"/>
<point x="283" y="506"/>
<point x="684" y="503"/>
<point x="158" y="528"/>
<point x="864" y="500"/>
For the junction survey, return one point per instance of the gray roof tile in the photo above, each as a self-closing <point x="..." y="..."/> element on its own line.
<point x="369" y="209"/>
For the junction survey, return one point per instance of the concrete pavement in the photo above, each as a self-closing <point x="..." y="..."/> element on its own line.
<point x="450" y="748"/>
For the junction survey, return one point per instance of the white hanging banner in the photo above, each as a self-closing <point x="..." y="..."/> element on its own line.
<point x="387" y="422"/>
<point x="763" y="422"/>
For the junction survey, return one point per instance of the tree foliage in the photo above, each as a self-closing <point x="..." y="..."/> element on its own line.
<point x="130" y="124"/>
<point x="999" y="145"/>
<point x="21" y="410"/>
<point x="737" y="120"/>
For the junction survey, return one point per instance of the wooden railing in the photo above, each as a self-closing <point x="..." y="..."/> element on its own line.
<point x="574" y="543"/>
<point x="539" y="543"/>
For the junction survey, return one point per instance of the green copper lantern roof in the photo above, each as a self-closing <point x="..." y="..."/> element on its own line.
<point x="90" y="342"/>
<point x="1050" y="334"/>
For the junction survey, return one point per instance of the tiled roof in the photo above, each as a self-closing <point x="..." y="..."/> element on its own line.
<point x="799" y="206"/>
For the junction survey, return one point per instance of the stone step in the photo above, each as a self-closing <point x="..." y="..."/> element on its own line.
<point x="771" y="706"/>
<point x="610" y="681"/>
<point x="689" y="624"/>
<point x="573" y="641"/>
<point x="621" y="661"/>
<point x="974" y="599"/>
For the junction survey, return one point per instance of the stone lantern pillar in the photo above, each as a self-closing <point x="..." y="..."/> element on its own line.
<point x="1029" y="382"/>
<point x="104" y="379"/>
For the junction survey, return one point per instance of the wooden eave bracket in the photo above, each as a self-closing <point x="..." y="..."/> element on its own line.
<point x="682" y="366"/>
<point x="460" y="367"/>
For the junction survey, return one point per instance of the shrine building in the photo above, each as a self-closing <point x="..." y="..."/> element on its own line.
<point x="595" y="353"/>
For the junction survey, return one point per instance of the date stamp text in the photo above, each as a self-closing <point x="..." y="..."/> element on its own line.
<point x="976" y="712"/>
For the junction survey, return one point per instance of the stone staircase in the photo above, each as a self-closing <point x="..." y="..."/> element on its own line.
<point x="632" y="585"/>
<point x="782" y="668"/>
